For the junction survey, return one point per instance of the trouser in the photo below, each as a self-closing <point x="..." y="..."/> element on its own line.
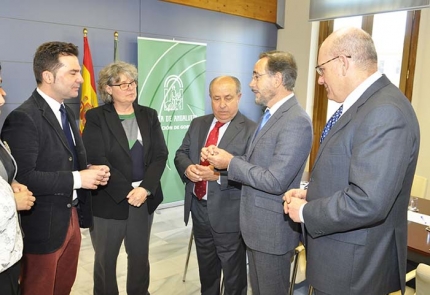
<point x="9" y="280"/>
<point x="107" y="236"/>
<point x="269" y="274"/>
<point x="216" y="252"/>
<point x="53" y="273"/>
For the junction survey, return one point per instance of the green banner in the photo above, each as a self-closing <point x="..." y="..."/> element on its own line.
<point x="172" y="81"/>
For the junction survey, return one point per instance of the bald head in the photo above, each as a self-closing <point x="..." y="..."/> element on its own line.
<point x="225" y="96"/>
<point x="225" y="79"/>
<point x="354" y="42"/>
<point x="346" y="58"/>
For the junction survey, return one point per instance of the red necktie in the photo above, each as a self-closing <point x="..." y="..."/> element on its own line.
<point x="200" y="187"/>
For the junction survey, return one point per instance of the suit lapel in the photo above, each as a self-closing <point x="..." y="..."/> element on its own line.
<point x="115" y="126"/>
<point x="52" y="120"/>
<point x="351" y="112"/>
<point x="50" y="117"/>
<point x="144" y="127"/>
<point x="272" y="121"/>
<point x="343" y="121"/>
<point x="204" y="131"/>
<point x="80" y="150"/>
<point x="232" y="130"/>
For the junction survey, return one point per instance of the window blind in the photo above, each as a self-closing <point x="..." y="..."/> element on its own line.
<point x="330" y="9"/>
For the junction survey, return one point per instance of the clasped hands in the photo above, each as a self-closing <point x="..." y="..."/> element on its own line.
<point x="94" y="176"/>
<point x="293" y="200"/>
<point x="137" y="196"/>
<point x="24" y="198"/>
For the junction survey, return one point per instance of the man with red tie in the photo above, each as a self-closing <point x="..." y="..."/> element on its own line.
<point x="213" y="199"/>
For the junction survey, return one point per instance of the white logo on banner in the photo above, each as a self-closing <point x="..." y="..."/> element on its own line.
<point x="173" y="94"/>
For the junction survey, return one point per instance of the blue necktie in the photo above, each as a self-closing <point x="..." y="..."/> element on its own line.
<point x="331" y="123"/>
<point x="264" y="120"/>
<point x="68" y="133"/>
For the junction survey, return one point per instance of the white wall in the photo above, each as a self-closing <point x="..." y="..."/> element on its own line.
<point x="300" y="37"/>
<point x="296" y="39"/>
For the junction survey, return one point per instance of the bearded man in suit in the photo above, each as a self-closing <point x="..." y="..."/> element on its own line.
<point x="273" y="163"/>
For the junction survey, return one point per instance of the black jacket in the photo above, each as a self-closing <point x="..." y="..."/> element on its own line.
<point x="45" y="163"/>
<point x="107" y="144"/>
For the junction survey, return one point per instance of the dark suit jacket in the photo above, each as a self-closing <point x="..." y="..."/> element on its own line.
<point x="223" y="200"/>
<point x="107" y="144"/>
<point x="358" y="196"/>
<point x="273" y="164"/>
<point x="40" y="149"/>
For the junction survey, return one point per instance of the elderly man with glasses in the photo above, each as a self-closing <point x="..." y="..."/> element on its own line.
<point x="355" y="208"/>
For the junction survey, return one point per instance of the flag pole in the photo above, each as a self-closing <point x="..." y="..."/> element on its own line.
<point x="88" y="88"/>
<point x="115" y="46"/>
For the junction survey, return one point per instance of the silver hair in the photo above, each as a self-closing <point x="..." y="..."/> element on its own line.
<point x="110" y="74"/>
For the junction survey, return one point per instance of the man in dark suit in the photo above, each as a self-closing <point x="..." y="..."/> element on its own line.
<point x="356" y="215"/>
<point x="273" y="163"/>
<point x="52" y="164"/>
<point x="216" y="215"/>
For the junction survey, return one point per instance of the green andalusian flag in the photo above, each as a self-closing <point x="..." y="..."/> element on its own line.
<point x="172" y="81"/>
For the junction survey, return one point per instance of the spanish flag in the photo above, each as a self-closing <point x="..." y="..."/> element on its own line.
<point x="88" y="94"/>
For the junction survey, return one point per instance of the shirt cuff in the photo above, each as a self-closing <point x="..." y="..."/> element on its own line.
<point x="77" y="182"/>
<point x="301" y="213"/>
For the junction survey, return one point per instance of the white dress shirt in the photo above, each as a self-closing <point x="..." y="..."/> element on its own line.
<point x="55" y="107"/>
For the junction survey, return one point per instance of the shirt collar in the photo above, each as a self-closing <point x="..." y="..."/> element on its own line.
<point x="357" y="92"/>
<point x="53" y="104"/>
<point x="277" y="105"/>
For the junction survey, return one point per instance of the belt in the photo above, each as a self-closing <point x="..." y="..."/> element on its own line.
<point x="75" y="202"/>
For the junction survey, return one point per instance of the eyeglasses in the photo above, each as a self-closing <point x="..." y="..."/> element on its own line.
<point x="125" y="86"/>
<point x="320" y="70"/>
<point x="256" y="76"/>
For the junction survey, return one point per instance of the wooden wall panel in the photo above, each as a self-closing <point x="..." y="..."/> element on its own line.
<point x="264" y="10"/>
